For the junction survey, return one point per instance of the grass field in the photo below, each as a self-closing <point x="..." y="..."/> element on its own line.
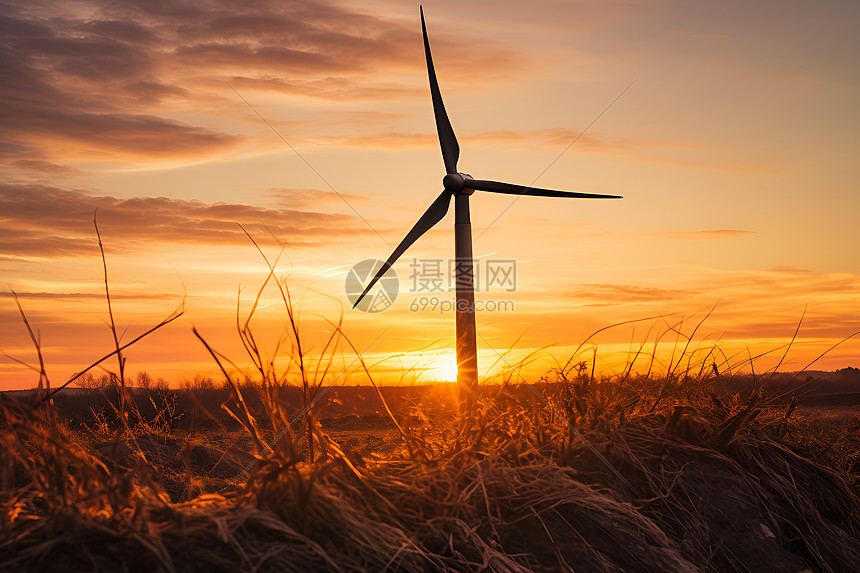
<point x="689" y="465"/>
<point x="598" y="480"/>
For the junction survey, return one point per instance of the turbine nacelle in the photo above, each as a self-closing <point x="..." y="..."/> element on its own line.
<point x="456" y="183"/>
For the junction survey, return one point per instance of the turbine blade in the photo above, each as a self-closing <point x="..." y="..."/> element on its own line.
<point x="511" y="189"/>
<point x="435" y="213"/>
<point x="450" y="147"/>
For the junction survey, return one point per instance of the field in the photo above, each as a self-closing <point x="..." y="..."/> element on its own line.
<point x="648" y="475"/>
<point x="694" y="464"/>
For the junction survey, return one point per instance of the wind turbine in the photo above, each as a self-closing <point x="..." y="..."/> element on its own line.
<point x="460" y="186"/>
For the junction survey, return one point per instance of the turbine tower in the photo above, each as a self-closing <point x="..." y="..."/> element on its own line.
<point x="460" y="186"/>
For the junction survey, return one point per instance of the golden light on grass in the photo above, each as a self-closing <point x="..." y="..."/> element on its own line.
<point x="692" y="427"/>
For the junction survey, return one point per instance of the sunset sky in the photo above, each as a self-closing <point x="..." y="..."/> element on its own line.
<point x="735" y="150"/>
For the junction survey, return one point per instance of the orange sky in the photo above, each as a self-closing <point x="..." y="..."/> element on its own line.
<point x="735" y="150"/>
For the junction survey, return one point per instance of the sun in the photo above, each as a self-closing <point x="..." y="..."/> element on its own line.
<point x="443" y="368"/>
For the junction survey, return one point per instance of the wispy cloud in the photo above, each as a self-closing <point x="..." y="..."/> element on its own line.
<point x="332" y="88"/>
<point x="303" y="198"/>
<point x="46" y="167"/>
<point x="131" y="79"/>
<point x="621" y="294"/>
<point x="749" y="303"/>
<point x="80" y="296"/>
<point x="706" y="234"/>
<point x="44" y="118"/>
<point x="556" y="137"/>
<point x="38" y="220"/>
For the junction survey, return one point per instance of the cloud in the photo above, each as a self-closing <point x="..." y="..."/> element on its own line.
<point x="79" y="296"/>
<point x="332" y="88"/>
<point x="562" y="136"/>
<point x="611" y="294"/>
<point x="151" y="92"/>
<point x="556" y="137"/>
<point x="707" y="234"/>
<point x="113" y="83"/>
<point x="787" y="282"/>
<point x="44" y="221"/>
<point x="749" y="304"/>
<point x="304" y="198"/>
<point x="46" y="167"/>
<point x="120" y="135"/>
<point x="11" y="259"/>
<point x="789" y="270"/>
<point x="42" y="119"/>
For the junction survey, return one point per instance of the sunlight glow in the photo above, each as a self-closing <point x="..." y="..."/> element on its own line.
<point x="444" y="368"/>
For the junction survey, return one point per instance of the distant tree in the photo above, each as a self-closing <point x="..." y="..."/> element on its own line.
<point x="199" y="382"/>
<point x="90" y="382"/>
<point x="143" y="380"/>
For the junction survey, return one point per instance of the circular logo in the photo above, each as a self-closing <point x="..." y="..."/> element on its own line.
<point x="381" y="296"/>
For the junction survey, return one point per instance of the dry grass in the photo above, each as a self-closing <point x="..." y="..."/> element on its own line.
<point x="638" y="472"/>
<point x="524" y="494"/>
